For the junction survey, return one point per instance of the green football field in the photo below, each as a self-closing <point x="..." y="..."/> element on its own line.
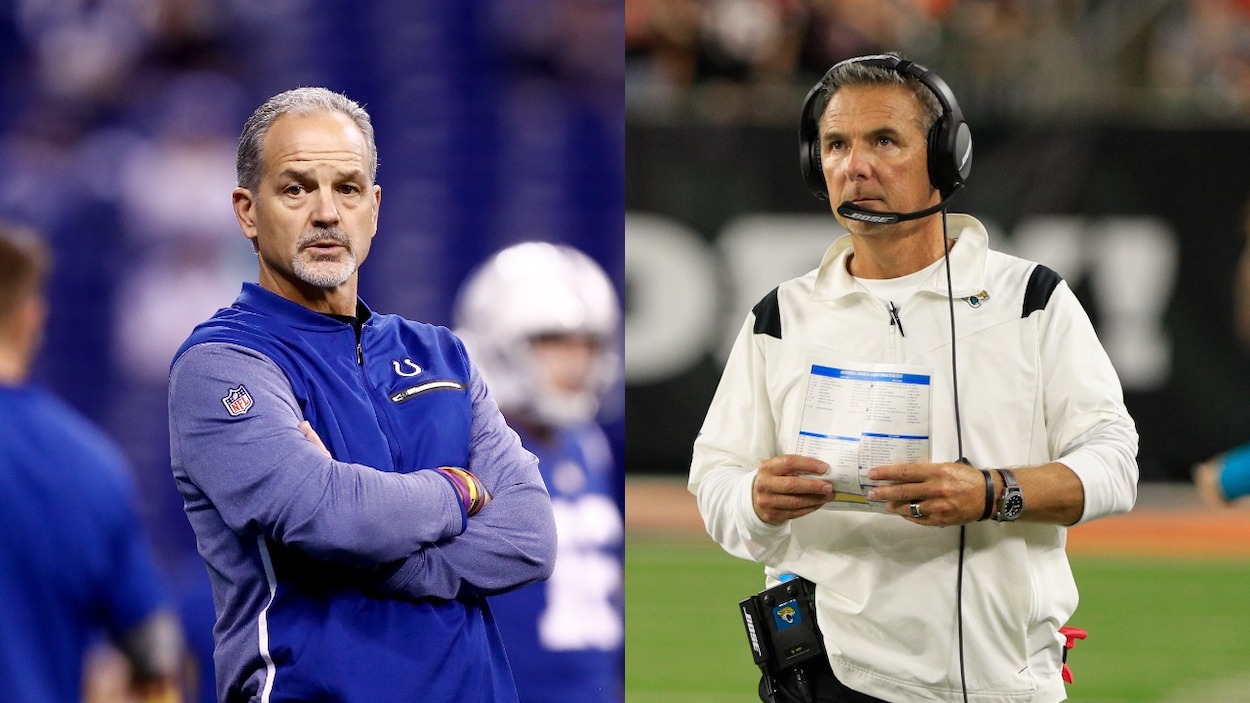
<point x="1170" y="631"/>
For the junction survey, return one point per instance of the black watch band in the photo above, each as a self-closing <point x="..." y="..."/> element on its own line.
<point x="1011" y="504"/>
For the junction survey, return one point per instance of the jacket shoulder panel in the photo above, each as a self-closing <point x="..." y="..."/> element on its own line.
<point x="1042" y="284"/>
<point x="768" y="315"/>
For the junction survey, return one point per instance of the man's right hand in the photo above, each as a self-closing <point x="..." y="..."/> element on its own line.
<point x="311" y="435"/>
<point x="782" y="492"/>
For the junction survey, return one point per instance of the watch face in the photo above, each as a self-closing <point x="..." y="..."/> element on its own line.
<point x="1013" y="505"/>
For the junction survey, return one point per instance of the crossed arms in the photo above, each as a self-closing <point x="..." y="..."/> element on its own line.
<point x="264" y="476"/>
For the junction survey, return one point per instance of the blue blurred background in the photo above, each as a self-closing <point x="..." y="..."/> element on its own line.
<point x="496" y="121"/>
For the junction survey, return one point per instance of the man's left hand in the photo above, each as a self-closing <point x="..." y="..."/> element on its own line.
<point x="941" y="494"/>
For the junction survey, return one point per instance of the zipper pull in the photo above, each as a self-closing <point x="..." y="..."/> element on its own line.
<point x="894" y="319"/>
<point x="360" y="355"/>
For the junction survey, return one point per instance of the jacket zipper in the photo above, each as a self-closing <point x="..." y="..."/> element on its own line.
<point x="894" y="319"/>
<point x="384" y="420"/>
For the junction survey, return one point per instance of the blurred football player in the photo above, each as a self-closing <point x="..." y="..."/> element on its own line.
<point x="542" y="321"/>
<point x="74" y="561"/>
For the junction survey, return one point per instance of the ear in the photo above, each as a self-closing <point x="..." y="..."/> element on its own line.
<point x="377" y="206"/>
<point x="244" y="211"/>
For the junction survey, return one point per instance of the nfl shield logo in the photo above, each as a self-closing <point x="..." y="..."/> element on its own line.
<point x="237" y="401"/>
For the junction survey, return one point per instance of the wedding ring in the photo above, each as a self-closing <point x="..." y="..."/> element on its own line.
<point x="915" y="510"/>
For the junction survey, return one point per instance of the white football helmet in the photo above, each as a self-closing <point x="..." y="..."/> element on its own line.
<point x="532" y="291"/>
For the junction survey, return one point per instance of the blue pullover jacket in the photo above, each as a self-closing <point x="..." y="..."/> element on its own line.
<point x="355" y="577"/>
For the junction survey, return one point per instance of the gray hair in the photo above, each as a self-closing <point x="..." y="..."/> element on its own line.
<point x="300" y="102"/>
<point x="860" y="73"/>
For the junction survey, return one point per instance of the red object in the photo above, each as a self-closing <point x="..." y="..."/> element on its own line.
<point x="1071" y="635"/>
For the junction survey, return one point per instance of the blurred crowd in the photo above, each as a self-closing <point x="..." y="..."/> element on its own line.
<point x="117" y="129"/>
<point x="1144" y="59"/>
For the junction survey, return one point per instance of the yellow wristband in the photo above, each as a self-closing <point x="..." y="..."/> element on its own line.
<point x="471" y="483"/>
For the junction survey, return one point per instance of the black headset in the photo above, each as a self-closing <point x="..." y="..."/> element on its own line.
<point x="950" y="140"/>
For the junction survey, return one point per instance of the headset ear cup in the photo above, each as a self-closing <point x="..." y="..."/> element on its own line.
<point x="815" y="173"/>
<point x="941" y="161"/>
<point x="809" y="146"/>
<point x="950" y="154"/>
<point x="962" y="153"/>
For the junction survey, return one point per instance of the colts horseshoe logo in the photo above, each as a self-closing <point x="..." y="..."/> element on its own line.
<point x="407" y="362"/>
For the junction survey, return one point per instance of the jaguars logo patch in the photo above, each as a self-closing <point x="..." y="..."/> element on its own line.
<point x="787" y="615"/>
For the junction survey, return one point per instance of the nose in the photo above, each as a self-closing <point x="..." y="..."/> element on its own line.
<point x="326" y="213"/>
<point x="857" y="165"/>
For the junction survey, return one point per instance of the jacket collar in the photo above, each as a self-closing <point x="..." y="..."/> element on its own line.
<point x="967" y="260"/>
<point x="255" y="298"/>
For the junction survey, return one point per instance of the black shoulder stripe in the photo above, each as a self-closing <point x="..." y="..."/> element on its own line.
<point x="1042" y="284"/>
<point x="768" y="315"/>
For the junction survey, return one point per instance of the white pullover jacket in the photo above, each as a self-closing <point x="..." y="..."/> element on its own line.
<point x="1035" y="386"/>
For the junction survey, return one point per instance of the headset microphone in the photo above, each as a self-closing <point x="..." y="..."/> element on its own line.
<point x="854" y="212"/>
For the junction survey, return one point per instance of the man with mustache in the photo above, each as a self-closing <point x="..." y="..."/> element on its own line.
<point x="352" y="485"/>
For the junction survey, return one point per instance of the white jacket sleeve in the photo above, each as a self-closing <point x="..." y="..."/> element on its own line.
<point x="738" y="433"/>
<point x="1090" y="430"/>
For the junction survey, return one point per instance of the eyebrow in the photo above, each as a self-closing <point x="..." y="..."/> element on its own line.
<point x="884" y="131"/>
<point x="293" y="173"/>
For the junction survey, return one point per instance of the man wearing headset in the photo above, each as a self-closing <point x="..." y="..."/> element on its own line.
<point x="1026" y="429"/>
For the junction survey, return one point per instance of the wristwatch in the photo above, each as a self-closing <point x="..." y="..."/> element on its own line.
<point x="1011" y="504"/>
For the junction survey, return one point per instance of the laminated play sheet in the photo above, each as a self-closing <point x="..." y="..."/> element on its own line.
<point x="855" y="418"/>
